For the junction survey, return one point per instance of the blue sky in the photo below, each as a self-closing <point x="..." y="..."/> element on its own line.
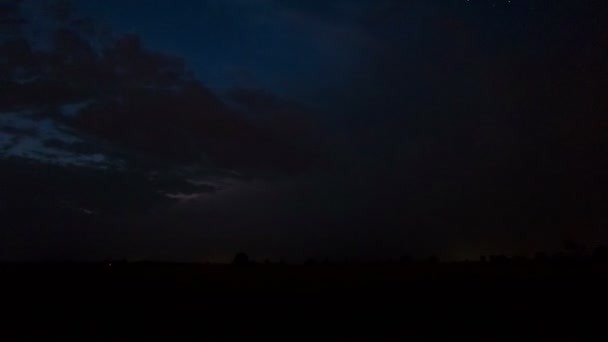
<point x="454" y="127"/>
<point x="289" y="49"/>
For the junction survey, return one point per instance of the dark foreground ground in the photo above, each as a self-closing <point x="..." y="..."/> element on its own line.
<point x="381" y="300"/>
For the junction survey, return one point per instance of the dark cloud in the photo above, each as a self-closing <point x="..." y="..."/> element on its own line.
<point x="114" y="132"/>
<point x="75" y="147"/>
<point x="144" y="101"/>
<point x="284" y="120"/>
<point x="19" y="131"/>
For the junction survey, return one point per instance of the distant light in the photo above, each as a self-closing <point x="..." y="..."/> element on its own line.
<point x="185" y="197"/>
<point x="110" y="265"/>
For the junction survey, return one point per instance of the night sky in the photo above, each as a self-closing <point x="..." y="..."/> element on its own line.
<point x="341" y="129"/>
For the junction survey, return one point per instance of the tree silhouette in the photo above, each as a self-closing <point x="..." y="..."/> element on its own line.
<point x="600" y="253"/>
<point x="241" y="259"/>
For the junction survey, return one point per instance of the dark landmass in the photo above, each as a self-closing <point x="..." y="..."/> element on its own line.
<point x="499" y="297"/>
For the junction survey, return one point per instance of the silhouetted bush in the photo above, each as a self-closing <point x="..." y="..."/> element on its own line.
<point x="311" y="262"/>
<point x="241" y="259"/>
<point x="600" y="253"/>
<point x="541" y="257"/>
<point x="499" y="259"/>
<point x="574" y="249"/>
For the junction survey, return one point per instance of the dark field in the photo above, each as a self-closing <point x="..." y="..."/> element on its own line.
<point x="322" y="300"/>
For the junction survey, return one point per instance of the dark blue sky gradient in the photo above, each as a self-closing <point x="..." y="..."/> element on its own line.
<point x="290" y="50"/>
<point x="452" y="127"/>
<point x="443" y="114"/>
